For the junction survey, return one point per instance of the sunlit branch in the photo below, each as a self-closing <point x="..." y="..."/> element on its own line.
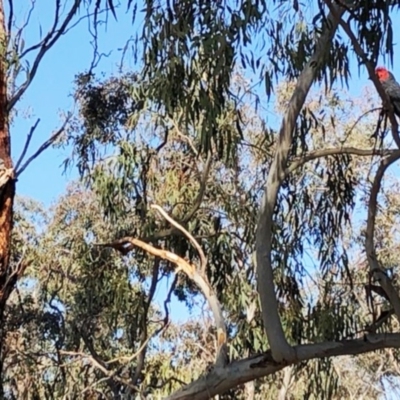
<point x="192" y="240"/>
<point x="200" y="278"/>
<point x="125" y="245"/>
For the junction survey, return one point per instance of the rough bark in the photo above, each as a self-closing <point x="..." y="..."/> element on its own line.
<point x="7" y="191"/>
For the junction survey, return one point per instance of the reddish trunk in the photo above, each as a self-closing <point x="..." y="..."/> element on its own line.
<point x="7" y="192"/>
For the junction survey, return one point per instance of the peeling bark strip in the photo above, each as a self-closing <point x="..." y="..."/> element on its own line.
<point x="280" y="348"/>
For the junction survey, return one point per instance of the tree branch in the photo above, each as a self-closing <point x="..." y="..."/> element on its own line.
<point x="41" y="149"/>
<point x="219" y="380"/>
<point x="109" y="374"/>
<point x="144" y="339"/>
<point x="27" y="143"/>
<point x="378" y="273"/>
<point x="45" y="45"/>
<point x="265" y="280"/>
<point x="298" y="162"/>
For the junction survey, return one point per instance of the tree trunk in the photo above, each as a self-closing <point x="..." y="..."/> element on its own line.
<point x="7" y="192"/>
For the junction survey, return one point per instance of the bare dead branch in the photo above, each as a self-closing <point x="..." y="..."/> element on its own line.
<point x="370" y="68"/>
<point x="27" y="142"/>
<point x="201" y="280"/>
<point x="221" y="379"/>
<point x="43" y="147"/>
<point x="280" y="348"/>
<point x="376" y="270"/>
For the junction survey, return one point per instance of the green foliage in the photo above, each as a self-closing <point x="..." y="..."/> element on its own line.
<point x="185" y="133"/>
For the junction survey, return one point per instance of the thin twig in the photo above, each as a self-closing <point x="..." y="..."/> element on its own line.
<point x="50" y="39"/>
<point x="347" y="134"/>
<point x="43" y="147"/>
<point x="27" y="142"/>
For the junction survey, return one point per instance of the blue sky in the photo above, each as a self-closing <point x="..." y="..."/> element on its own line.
<point x="50" y="93"/>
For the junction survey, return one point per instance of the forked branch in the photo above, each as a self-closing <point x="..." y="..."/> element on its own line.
<point x="56" y="31"/>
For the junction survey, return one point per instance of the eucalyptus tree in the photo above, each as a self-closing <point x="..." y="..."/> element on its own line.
<point x="190" y="50"/>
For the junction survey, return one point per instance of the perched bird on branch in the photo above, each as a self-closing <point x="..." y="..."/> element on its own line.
<point x="391" y="87"/>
